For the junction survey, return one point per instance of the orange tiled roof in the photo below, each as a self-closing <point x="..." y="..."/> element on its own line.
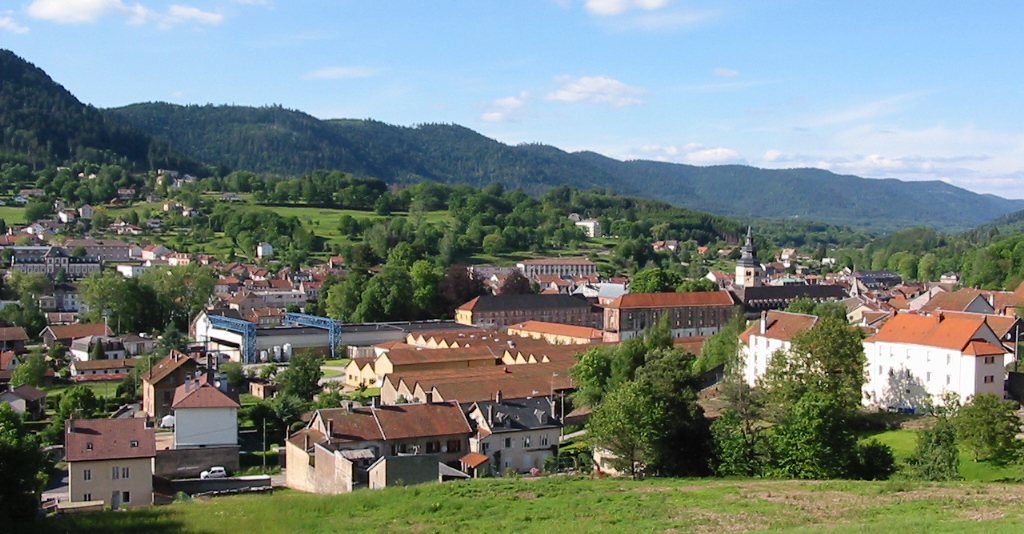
<point x="558" y="329"/>
<point x="938" y="331"/>
<point x="780" y="325"/>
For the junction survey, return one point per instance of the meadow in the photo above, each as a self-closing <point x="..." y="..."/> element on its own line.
<point x="561" y="504"/>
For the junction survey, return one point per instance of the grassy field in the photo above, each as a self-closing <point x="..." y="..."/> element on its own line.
<point x="557" y="505"/>
<point x="904" y="441"/>
<point x="100" y="389"/>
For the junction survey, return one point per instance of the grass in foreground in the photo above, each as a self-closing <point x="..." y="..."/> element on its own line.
<point x="904" y="441"/>
<point x="564" y="505"/>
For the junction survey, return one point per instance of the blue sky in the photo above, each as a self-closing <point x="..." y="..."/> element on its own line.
<point x="911" y="90"/>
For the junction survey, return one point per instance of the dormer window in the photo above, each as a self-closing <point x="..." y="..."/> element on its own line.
<point x="88" y="446"/>
<point x="134" y="444"/>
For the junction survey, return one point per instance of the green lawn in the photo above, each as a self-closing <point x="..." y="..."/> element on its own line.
<point x="564" y="505"/>
<point x="904" y="441"/>
<point x="331" y="372"/>
<point x="100" y="389"/>
<point x="340" y="362"/>
<point x="12" y="215"/>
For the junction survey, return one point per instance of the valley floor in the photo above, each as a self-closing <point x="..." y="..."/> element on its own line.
<point x="560" y="505"/>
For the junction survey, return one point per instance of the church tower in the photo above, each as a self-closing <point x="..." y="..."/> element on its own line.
<point x="748" y="270"/>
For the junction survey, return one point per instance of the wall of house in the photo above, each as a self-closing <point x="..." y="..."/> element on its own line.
<point x="757" y="354"/>
<point x="102" y="485"/>
<point x="190" y="463"/>
<point x="404" y="470"/>
<point x="523" y="450"/>
<point x="194" y="427"/>
<point x="299" y="468"/>
<point x="333" y="474"/>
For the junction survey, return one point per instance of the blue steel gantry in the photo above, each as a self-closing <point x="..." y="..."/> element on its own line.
<point x="333" y="327"/>
<point x="247" y="351"/>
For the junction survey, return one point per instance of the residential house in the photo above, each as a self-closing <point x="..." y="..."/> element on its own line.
<point x="26" y="401"/>
<point x="264" y="250"/>
<point x="773" y="333"/>
<point x="204" y="416"/>
<point x="81" y="348"/>
<point x="13" y="338"/>
<point x="54" y="335"/>
<point x="497" y="312"/>
<point x="913" y="360"/>
<point x="591" y="227"/>
<point x="515" y="435"/>
<point x="101" y="370"/>
<point x="136" y="345"/>
<point x="697" y="313"/>
<point x="105" y="249"/>
<point x="110" y="460"/>
<point x="335" y="452"/>
<point x="163" y="378"/>
<point x="86" y="212"/>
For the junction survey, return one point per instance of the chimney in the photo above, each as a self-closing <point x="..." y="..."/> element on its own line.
<point x="764" y="322"/>
<point x="330" y="428"/>
<point x="305" y="442"/>
<point x="429" y="395"/>
<point x="554" y="408"/>
<point x="497" y="397"/>
<point x="490" y="414"/>
<point x="375" y="401"/>
<point x="939" y="317"/>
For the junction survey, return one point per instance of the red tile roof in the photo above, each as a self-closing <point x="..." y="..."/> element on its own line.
<point x="672" y="300"/>
<point x="74" y="331"/>
<point x="558" y="329"/>
<point x="937" y="331"/>
<point x="783" y="326"/>
<point x="199" y="394"/>
<point x="108" y="439"/>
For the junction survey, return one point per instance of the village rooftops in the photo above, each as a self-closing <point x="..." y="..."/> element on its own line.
<point x="672" y="300"/>
<point x="403" y="421"/>
<point x="108" y="439"/>
<point x="201" y="394"/>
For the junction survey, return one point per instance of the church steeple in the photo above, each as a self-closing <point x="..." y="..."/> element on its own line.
<point x="748" y="269"/>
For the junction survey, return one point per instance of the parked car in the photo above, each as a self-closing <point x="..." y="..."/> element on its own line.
<point x="214" y="472"/>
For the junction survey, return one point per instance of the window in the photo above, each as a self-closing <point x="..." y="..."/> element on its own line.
<point x="544" y="440"/>
<point x="433" y="446"/>
<point x="990" y="379"/>
<point x="126" y="497"/>
<point x="134" y="444"/>
<point x="486" y="448"/>
<point x="88" y="446"/>
<point x="928" y="377"/>
<point x="87" y="475"/>
<point x="87" y="496"/>
<point x="124" y="472"/>
<point x="990" y="359"/>
<point x="526" y="441"/>
<point x="115" y="473"/>
<point x="454" y="445"/>
<point x="508" y="443"/>
<point x="949" y="379"/>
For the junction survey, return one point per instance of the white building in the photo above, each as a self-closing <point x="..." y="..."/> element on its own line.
<point x="264" y="250"/>
<point x="559" y="267"/>
<point x="773" y="333"/>
<point x="204" y="416"/>
<point x="915" y="359"/>
<point x="591" y="227"/>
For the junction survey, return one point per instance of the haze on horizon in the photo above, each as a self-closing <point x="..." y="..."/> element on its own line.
<point x="910" y="90"/>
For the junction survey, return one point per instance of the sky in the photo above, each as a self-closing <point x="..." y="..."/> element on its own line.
<point x="912" y="90"/>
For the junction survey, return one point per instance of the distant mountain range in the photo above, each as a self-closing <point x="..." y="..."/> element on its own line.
<point x="277" y="140"/>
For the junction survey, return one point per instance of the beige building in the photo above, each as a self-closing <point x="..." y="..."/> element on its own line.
<point x="110" y="460"/>
<point x="516" y="435"/>
<point x="697" y="313"/>
<point x="560" y="267"/>
<point x="498" y="312"/>
<point x="555" y="333"/>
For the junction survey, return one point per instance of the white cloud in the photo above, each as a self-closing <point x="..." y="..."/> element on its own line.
<point x="868" y="110"/>
<point x="508" y="109"/>
<point x="660" y="21"/>
<point x="617" y="7"/>
<point x="690" y="153"/>
<point x="725" y="73"/>
<point x="597" y="90"/>
<point x="8" y="24"/>
<point x="82" y="11"/>
<point x="177" y="14"/>
<point x="341" y="73"/>
<point x="74" y="11"/>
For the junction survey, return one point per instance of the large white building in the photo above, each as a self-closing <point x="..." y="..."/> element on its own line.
<point x="915" y="359"/>
<point x="774" y="332"/>
<point x="204" y="416"/>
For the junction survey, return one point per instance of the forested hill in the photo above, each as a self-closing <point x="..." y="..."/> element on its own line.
<point x="274" y="139"/>
<point x="41" y="124"/>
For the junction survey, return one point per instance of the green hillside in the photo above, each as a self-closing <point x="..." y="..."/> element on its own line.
<point x="567" y="505"/>
<point x="278" y="140"/>
<point x="41" y="124"/>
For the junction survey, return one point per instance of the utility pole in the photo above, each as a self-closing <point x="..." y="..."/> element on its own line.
<point x="264" y="445"/>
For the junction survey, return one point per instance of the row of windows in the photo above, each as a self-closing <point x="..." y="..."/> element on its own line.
<point x="116" y="473"/>
<point x="126" y="497"/>
<point x="527" y="441"/>
<point x="988" y="379"/>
